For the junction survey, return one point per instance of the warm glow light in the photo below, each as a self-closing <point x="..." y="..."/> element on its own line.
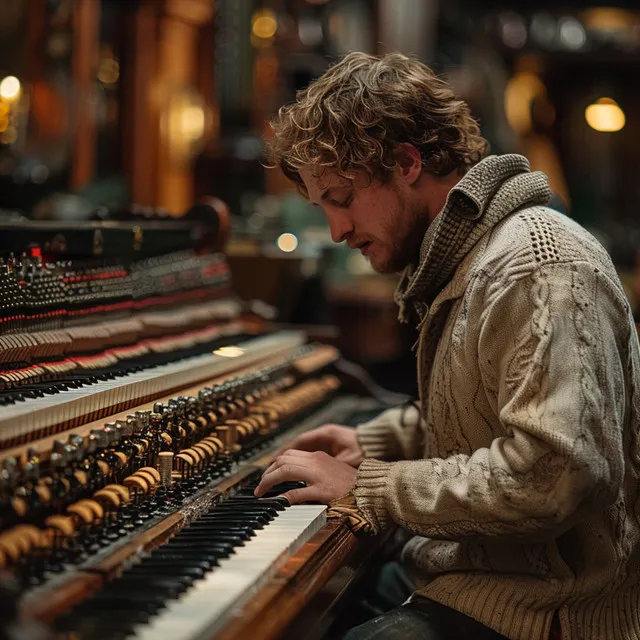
<point x="229" y="352"/>
<point x="9" y="136"/>
<point x="287" y="242"/>
<point x="193" y="122"/>
<point x="109" y="71"/>
<point x="264" y="24"/>
<point x="185" y="123"/>
<point x="605" y="115"/>
<point x="10" y="88"/>
<point x="609" y="19"/>
<point x="520" y="92"/>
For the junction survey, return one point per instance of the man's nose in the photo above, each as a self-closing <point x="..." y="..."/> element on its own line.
<point x="339" y="224"/>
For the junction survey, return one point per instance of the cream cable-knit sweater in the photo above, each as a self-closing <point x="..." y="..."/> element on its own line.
<point x="520" y="476"/>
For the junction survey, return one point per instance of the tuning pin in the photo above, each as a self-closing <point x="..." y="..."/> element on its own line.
<point x="102" y="438"/>
<point x="125" y="427"/>
<point x="136" y="426"/>
<point x="92" y="443"/>
<point x="155" y="419"/>
<point x="112" y="433"/>
<point x="142" y="418"/>
<point x="119" y="429"/>
<point x="57" y="460"/>
<point x="72" y="454"/>
<point x="31" y="471"/>
<point x="58" y="446"/>
<point x="76" y="440"/>
<point x="9" y="467"/>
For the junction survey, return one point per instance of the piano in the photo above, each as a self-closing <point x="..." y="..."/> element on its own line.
<point x="140" y="401"/>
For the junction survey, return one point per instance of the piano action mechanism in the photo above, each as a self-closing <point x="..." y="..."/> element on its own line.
<point x="139" y="403"/>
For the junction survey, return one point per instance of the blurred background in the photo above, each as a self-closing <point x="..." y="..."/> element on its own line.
<point x="149" y="105"/>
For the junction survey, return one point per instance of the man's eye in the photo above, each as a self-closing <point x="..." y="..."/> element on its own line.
<point x="345" y="203"/>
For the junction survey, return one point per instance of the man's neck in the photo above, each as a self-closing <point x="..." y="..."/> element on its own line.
<point x="435" y="189"/>
<point x="430" y="199"/>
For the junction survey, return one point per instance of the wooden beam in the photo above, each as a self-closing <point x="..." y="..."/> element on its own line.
<point x="178" y="48"/>
<point x="196" y="12"/>
<point x="164" y="61"/>
<point x="141" y="108"/>
<point x="180" y="33"/>
<point x="86" y="42"/>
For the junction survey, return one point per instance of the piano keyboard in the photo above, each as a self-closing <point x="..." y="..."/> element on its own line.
<point x="191" y="586"/>
<point x="135" y="403"/>
<point x="209" y="604"/>
<point x="38" y="413"/>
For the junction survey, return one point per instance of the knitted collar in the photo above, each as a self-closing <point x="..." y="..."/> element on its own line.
<point x="489" y="191"/>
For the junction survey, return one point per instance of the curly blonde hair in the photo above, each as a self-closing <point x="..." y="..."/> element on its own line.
<point x="354" y="115"/>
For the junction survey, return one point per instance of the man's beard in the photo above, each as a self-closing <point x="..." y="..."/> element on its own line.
<point x="405" y="233"/>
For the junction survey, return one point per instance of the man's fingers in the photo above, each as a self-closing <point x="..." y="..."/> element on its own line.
<point x="352" y="458"/>
<point x="285" y="473"/>
<point x="311" y="441"/>
<point x="304" y="494"/>
<point x="291" y="456"/>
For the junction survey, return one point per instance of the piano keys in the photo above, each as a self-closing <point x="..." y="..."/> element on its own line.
<point x="130" y="388"/>
<point x="139" y="403"/>
<point x="188" y="588"/>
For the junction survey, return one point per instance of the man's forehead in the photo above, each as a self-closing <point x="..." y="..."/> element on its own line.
<point x="322" y="178"/>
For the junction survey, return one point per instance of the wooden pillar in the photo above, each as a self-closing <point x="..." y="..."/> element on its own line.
<point x="86" y="32"/>
<point x="141" y="109"/>
<point x="165" y="64"/>
<point x="178" y="47"/>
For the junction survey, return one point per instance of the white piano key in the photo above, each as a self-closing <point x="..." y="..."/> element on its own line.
<point x="221" y="594"/>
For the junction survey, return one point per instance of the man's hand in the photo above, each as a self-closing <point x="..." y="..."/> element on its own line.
<point x="339" y="442"/>
<point x="327" y="478"/>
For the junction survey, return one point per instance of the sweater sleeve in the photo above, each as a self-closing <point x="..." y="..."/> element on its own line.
<point x="394" y="434"/>
<point x="551" y="350"/>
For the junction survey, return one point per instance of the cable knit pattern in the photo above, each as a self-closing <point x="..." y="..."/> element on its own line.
<point x="395" y="434"/>
<point x="520" y="475"/>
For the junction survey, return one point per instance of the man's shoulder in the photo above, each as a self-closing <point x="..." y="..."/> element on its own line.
<point x="535" y="237"/>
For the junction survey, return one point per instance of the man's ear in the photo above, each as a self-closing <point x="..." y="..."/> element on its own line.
<point x="408" y="161"/>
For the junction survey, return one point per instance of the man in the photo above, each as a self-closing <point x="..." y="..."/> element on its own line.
<point x="519" y="475"/>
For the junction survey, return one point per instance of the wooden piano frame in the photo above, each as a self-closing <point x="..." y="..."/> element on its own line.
<point x="301" y="599"/>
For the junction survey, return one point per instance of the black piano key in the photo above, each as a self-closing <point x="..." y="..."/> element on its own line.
<point x="233" y="516"/>
<point x="212" y="559"/>
<point x="192" y="573"/>
<point x="203" y="523"/>
<point x="128" y="600"/>
<point x="176" y="562"/>
<point x="179" y="583"/>
<point x="219" y="545"/>
<point x="169" y="571"/>
<point x="242" y="530"/>
<point x="279" y="504"/>
<point x="171" y="589"/>
<point x="267" y="513"/>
